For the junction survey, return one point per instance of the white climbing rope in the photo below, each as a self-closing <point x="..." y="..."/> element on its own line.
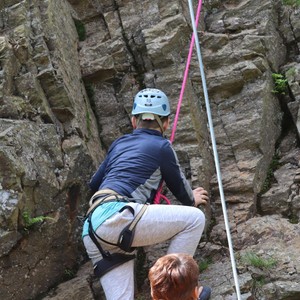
<point x="214" y="146"/>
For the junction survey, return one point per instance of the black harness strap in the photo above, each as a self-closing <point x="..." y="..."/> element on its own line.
<point x="105" y="265"/>
<point x="109" y="260"/>
<point x="113" y="260"/>
<point x="94" y="234"/>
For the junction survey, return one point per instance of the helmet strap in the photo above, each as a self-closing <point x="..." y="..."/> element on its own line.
<point x="157" y="119"/>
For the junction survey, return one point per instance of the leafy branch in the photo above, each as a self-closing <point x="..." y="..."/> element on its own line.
<point x="281" y="84"/>
<point x="30" y="221"/>
<point x="254" y="260"/>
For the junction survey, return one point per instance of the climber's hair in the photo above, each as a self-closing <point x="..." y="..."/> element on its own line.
<point x="174" y="276"/>
<point x="150" y="124"/>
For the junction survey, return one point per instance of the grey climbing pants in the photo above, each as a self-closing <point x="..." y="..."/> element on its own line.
<point x="182" y="225"/>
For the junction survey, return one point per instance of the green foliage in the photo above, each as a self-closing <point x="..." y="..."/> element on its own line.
<point x="30" y="221"/>
<point x="280" y="83"/>
<point x="204" y="264"/>
<point x="90" y="91"/>
<point x="274" y="165"/>
<point x="254" y="260"/>
<point x="294" y="219"/>
<point x="80" y="30"/>
<point x="291" y="2"/>
<point x="260" y="281"/>
<point x="69" y="274"/>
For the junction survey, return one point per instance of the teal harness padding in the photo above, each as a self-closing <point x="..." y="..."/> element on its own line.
<point x="109" y="260"/>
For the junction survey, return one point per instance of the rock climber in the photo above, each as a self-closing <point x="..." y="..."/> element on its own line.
<point x="129" y="177"/>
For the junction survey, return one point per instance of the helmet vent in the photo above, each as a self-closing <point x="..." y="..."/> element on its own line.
<point x="164" y="106"/>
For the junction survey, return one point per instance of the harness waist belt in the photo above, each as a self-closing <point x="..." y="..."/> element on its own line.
<point x="102" y="196"/>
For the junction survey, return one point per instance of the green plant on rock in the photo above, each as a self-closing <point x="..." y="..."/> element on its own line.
<point x="260" y="281"/>
<point x="294" y="219"/>
<point x="204" y="264"/>
<point x="291" y="2"/>
<point x="80" y="30"/>
<point x="30" y="221"/>
<point x="69" y="274"/>
<point x="281" y="84"/>
<point x="274" y="165"/>
<point x="254" y="260"/>
<point x="90" y="91"/>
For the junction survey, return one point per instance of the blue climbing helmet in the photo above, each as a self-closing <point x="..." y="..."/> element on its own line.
<point x="151" y="101"/>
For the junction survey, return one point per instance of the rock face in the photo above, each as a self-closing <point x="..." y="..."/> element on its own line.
<point x="68" y="73"/>
<point x="49" y="146"/>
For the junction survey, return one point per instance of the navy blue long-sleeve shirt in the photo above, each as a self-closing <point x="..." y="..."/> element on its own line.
<point x="135" y="165"/>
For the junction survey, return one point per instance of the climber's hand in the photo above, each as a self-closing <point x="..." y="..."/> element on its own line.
<point x="200" y="196"/>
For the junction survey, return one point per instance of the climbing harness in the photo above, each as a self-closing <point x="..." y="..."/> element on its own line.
<point x="214" y="146"/>
<point x="109" y="260"/>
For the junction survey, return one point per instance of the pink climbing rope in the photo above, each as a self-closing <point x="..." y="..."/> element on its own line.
<point x="186" y="72"/>
<point x="159" y="195"/>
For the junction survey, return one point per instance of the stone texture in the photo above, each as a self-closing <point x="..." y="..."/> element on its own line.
<point x="48" y="137"/>
<point x="63" y="102"/>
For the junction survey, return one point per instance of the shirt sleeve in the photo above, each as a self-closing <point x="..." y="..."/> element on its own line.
<point x="174" y="177"/>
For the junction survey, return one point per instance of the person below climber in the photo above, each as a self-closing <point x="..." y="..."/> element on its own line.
<point x="175" y="277"/>
<point x="128" y="178"/>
